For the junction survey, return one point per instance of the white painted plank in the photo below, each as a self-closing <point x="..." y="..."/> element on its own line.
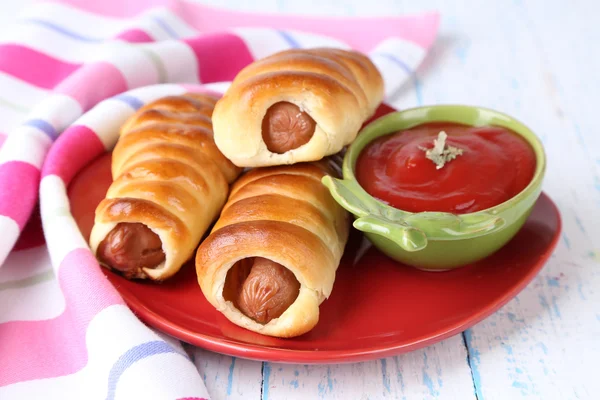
<point x="440" y="371"/>
<point x="542" y="345"/>
<point x="228" y="377"/>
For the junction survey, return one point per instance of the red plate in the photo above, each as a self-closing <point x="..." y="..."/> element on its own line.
<point x="378" y="307"/>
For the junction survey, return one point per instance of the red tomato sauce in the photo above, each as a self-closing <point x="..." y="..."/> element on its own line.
<point x="496" y="164"/>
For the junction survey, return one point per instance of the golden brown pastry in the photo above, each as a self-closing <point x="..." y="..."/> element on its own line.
<point x="271" y="258"/>
<point x="169" y="183"/>
<point x="296" y="106"/>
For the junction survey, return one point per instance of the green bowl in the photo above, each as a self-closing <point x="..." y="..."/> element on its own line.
<point x="436" y="240"/>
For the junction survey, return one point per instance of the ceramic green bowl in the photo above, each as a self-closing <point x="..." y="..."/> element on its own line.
<point x="436" y="240"/>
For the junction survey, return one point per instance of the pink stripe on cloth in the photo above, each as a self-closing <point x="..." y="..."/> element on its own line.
<point x="114" y="8"/>
<point x="192" y="398"/>
<point x="33" y="67"/>
<point x="420" y="29"/>
<point x="216" y="65"/>
<point x="135" y="36"/>
<point x="73" y="150"/>
<point x="18" y="194"/>
<point x="56" y="347"/>
<point x="92" y="83"/>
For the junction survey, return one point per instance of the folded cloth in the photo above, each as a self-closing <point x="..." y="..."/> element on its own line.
<point x="64" y="330"/>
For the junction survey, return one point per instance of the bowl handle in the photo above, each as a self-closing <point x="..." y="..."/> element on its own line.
<point x="408" y="238"/>
<point x="372" y="217"/>
<point x="409" y="231"/>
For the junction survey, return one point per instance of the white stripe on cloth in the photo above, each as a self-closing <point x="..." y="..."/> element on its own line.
<point x="75" y="20"/>
<point x="20" y="93"/>
<point x="135" y="65"/>
<point x="408" y="52"/>
<point x="68" y="46"/>
<point x="58" y="110"/>
<point x="150" y="26"/>
<point x="10" y="118"/>
<point x="76" y="36"/>
<point x="28" y="144"/>
<point x="183" y="381"/>
<point x="106" y="118"/>
<point x="25" y="263"/>
<point x="41" y="301"/>
<point x="306" y="40"/>
<point x="60" y="229"/>
<point x="397" y="61"/>
<point x="151" y="93"/>
<point x="174" y="26"/>
<point x="29" y="290"/>
<point x="173" y="342"/>
<point x="177" y="59"/>
<point x="50" y="42"/>
<point x="110" y="334"/>
<point x="16" y="100"/>
<point x="391" y="72"/>
<point x="262" y="41"/>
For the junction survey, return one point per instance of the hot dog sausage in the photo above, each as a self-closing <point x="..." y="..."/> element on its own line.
<point x="129" y="247"/>
<point x="261" y="289"/>
<point x="285" y="127"/>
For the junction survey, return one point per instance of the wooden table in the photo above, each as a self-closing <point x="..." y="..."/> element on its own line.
<point x="538" y="61"/>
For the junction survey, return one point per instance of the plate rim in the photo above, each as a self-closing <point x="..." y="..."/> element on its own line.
<point x="264" y="353"/>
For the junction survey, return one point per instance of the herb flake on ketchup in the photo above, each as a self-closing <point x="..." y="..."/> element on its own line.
<point x="465" y="169"/>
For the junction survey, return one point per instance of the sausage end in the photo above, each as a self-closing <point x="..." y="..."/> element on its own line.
<point x="285" y="127"/>
<point x="260" y="288"/>
<point x="129" y="247"/>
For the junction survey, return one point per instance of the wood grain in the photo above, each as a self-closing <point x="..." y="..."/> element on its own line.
<point x="440" y="371"/>
<point x="228" y="377"/>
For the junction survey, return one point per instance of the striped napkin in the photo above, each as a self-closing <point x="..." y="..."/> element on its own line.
<point x="69" y="75"/>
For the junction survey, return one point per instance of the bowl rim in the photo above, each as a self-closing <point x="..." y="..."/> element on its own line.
<point x="415" y="116"/>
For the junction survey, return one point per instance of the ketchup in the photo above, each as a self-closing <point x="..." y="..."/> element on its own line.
<point x="495" y="165"/>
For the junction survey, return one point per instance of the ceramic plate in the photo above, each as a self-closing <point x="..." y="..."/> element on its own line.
<point x="378" y="307"/>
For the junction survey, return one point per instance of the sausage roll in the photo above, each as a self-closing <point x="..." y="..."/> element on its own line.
<point x="296" y="106"/>
<point x="169" y="184"/>
<point x="271" y="258"/>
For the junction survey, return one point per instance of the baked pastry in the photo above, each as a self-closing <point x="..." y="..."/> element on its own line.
<point x="271" y="257"/>
<point x="296" y="106"/>
<point x="169" y="184"/>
